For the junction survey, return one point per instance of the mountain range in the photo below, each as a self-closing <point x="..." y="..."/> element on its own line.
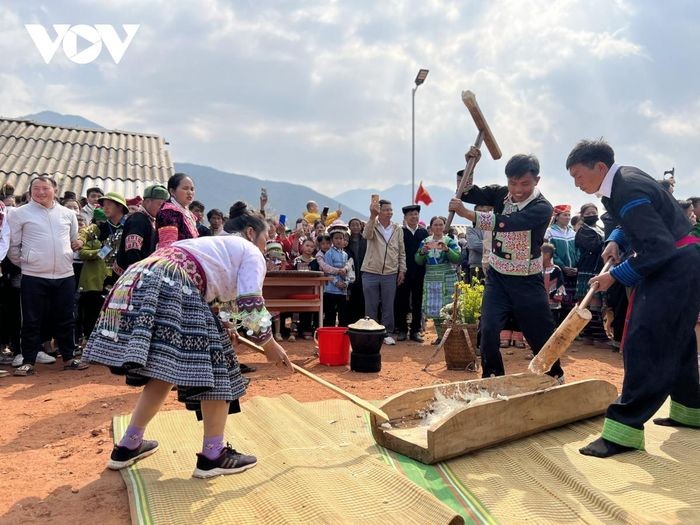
<point x="284" y="198"/>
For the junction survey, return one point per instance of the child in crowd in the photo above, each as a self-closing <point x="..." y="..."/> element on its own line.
<point x="306" y="259"/>
<point x="323" y="244"/>
<point x="276" y="262"/>
<point x="311" y="215"/>
<point x="306" y="321"/>
<point x="553" y="282"/>
<point x="335" y="294"/>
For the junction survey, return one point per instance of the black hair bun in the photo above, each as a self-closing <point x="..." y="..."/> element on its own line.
<point x="238" y="209"/>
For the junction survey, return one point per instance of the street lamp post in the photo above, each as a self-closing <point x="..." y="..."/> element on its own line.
<point x="420" y="78"/>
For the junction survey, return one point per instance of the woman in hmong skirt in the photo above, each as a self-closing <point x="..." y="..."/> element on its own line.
<point x="562" y="235"/>
<point x="157" y="329"/>
<point x="439" y="253"/>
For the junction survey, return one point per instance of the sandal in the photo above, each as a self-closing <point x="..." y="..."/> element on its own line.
<point x="24" y="370"/>
<point x="4" y="373"/>
<point x="519" y="344"/>
<point x="505" y="343"/>
<point x="75" y="364"/>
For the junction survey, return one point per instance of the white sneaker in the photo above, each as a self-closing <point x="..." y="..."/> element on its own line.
<point x="17" y="361"/>
<point x="44" y="358"/>
<point x="388" y="340"/>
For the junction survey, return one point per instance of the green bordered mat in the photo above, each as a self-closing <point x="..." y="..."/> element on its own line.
<point x="540" y="479"/>
<point x="306" y="473"/>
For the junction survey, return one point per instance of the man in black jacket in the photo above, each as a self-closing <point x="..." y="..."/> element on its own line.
<point x="409" y="295"/>
<point x="659" y="347"/>
<point x="514" y="282"/>
<point x="138" y="239"/>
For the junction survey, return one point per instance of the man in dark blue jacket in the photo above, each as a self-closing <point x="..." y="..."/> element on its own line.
<point x="409" y="295"/>
<point x="659" y="347"/>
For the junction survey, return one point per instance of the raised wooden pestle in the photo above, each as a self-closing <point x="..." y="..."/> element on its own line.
<point x="570" y="327"/>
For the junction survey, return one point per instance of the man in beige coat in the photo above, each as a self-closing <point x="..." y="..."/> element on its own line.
<point x="384" y="266"/>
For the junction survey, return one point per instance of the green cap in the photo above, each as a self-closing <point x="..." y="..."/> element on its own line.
<point x="157" y="191"/>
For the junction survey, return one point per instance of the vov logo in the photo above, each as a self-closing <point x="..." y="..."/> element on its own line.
<point x="69" y="35"/>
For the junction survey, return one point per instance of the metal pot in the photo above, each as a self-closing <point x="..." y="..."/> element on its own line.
<point x="366" y="336"/>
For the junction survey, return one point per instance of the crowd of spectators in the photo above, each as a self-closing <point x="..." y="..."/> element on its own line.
<point x="61" y="255"/>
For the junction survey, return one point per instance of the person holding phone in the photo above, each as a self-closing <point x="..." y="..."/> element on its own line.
<point x="438" y="253"/>
<point x="311" y="215"/>
<point x="384" y="267"/>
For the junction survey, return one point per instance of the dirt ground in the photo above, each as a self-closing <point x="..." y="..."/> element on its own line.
<point x="56" y="426"/>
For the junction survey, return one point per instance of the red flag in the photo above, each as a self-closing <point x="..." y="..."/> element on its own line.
<point x="422" y="195"/>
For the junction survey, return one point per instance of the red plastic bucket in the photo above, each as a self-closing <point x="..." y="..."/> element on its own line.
<point x="333" y="345"/>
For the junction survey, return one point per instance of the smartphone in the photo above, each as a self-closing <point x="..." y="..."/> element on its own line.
<point x="375" y="198"/>
<point x="283" y="219"/>
<point x="263" y="192"/>
<point x="325" y="211"/>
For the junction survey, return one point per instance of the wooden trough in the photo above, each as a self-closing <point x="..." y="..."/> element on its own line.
<point x="510" y="407"/>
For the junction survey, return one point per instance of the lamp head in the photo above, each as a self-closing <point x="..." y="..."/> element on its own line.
<point x="420" y="78"/>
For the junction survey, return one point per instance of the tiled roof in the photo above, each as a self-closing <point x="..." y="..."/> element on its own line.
<point x="80" y="158"/>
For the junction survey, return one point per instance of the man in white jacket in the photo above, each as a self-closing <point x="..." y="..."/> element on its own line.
<point x="4" y="232"/>
<point x="43" y="237"/>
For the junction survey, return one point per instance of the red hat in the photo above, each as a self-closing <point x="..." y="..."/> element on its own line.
<point x="135" y="201"/>
<point x="562" y="208"/>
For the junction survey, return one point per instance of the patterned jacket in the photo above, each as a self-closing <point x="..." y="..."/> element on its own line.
<point x="517" y="228"/>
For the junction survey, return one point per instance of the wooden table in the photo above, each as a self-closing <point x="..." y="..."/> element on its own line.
<point x="278" y="286"/>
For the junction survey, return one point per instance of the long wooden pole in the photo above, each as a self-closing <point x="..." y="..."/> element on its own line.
<point x="351" y="397"/>
<point x="468" y="169"/>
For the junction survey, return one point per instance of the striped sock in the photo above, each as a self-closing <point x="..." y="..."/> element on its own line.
<point x="132" y="438"/>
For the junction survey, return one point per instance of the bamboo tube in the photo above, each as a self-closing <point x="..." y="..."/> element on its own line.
<point x="570" y="327"/>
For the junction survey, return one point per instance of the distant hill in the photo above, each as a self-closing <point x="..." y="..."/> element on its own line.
<point x="58" y="119"/>
<point x="219" y="189"/>
<point x="400" y="196"/>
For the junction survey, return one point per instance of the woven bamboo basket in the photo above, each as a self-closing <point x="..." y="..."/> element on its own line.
<point x="459" y="351"/>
